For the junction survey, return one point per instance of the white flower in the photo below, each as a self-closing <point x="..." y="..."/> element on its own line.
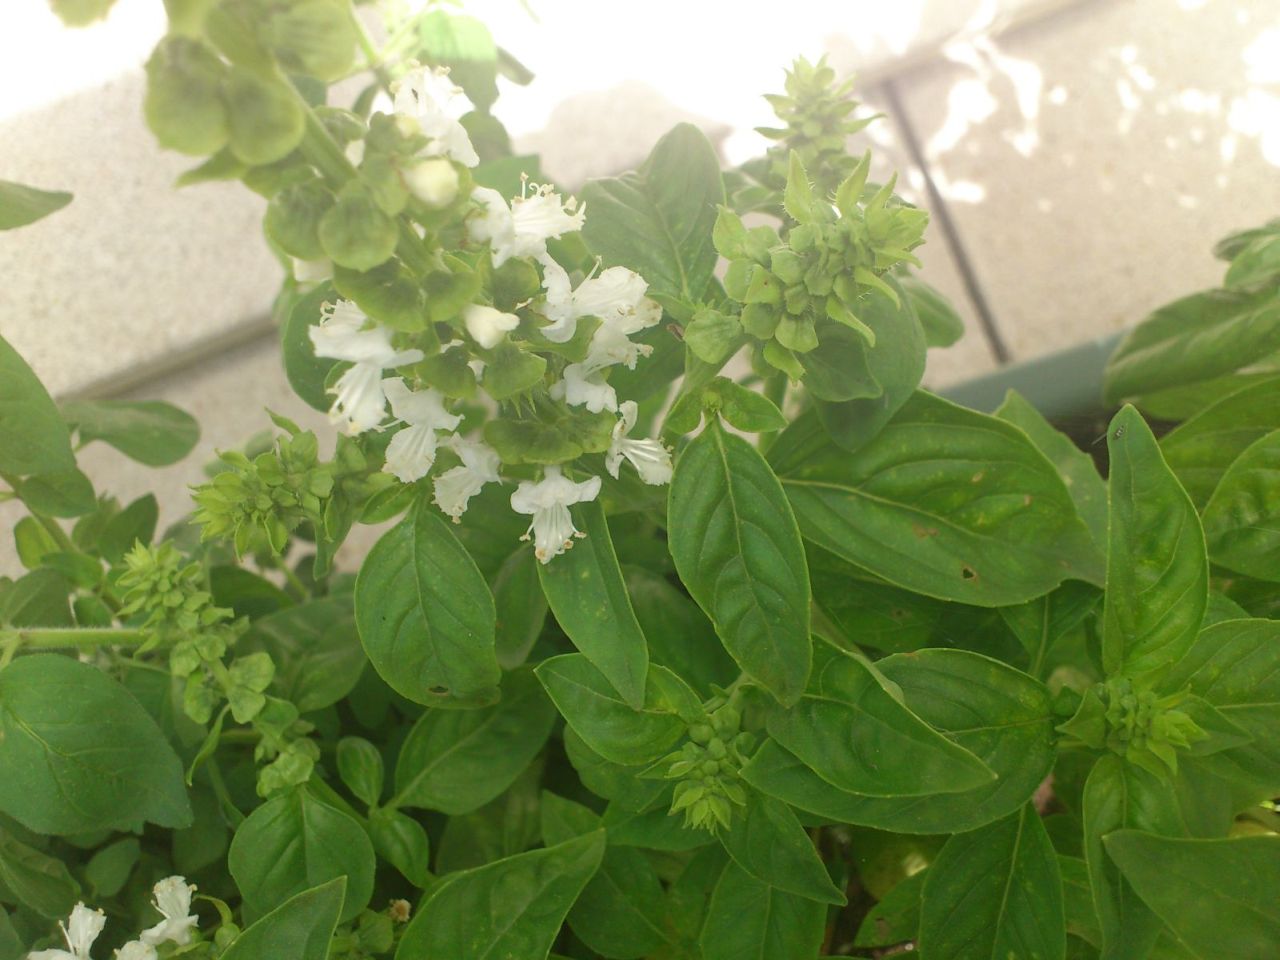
<point x="359" y="401"/>
<point x="172" y="897"/>
<point x="433" y="103"/>
<point x="434" y="181"/>
<point x="456" y="486"/>
<point x="584" y="386"/>
<point x="412" y="451"/>
<point x="548" y="501"/>
<point x="488" y="325"/>
<point x="523" y="229"/>
<point x="81" y="929"/>
<point x="137" y="950"/>
<point x="616" y="297"/>
<point x="650" y="458"/>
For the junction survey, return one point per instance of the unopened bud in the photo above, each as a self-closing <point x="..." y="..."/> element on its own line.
<point x="434" y="181"/>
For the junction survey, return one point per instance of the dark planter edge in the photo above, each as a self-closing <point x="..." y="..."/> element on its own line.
<point x="1063" y="384"/>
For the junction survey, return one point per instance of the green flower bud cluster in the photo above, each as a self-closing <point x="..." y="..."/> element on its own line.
<point x="708" y="766"/>
<point x="216" y="85"/>
<point x="1136" y="724"/>
<point x="809" y="289"/>
<point x="288" y="755"/>
<point x="257" y="502"/>
<point x="167" y="592"/>
<point x="816" y="111"/>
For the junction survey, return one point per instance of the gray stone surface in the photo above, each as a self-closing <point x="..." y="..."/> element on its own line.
<point x="1092" y="159"/>
<point x="132" y="270"/>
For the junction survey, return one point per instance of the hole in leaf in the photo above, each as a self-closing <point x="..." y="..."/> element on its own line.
<point x="969" y="573"/>
<point x="438" y="691"/>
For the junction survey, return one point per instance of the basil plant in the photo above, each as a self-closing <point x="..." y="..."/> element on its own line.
<point x="695" y="629"/>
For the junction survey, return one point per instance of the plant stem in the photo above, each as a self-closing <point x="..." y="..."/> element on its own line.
<point x="55" y="530"/>
<point x="293" y="580"/>
<point x="82" y="638"/>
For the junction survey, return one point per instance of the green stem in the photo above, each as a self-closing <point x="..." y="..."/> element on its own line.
<point x="293" y="580"/>
<point x="55" y="530"/>
<point x="82" y="638"/>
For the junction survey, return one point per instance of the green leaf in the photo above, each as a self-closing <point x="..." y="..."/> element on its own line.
<point x="896" y="364"/>
<point x="425" y="614"/>
<point x="1193" y="341"/>
<point x="1235" y="666"/>
<point x="521" y="607"/>
<point x="314" y="647"/>
<point x="360" y="767"/>
<point x="653" y="828"/>
<point x="1200" y="450"/>
<point x="402" y="842"/>
<point x="511" y="908"/>
<point x="657" y="220"/>
<point x="941" y="323"/>
<point x="769" y="843"/>
<point x="616" y="782"/>
<point x="1242" y="518"/>
<point x="1118" y="795"/>
<point x="879" y="615"/>
<point x="1157" y="572"/>
<point x="1221" y="897"/>
<point x="295" y="842"/>
<point x="737" y="549"/>
<point x="38" y="600"/>
<point x="33" y="436"/>
<point x="108" y="871"/>
<point x="997" y="713"/>
<point x="458" y="760"/>
<point x="1255" y="265"/>
<point x="798" y="197"/>
<point x="503" y="827"/>
<point x="301" y="928"/>
<point x="681" y="638"/>
<point x="589" y="599"/>
<point x="465" y="46"/>
<point x="946" y="502"/>
<point x="136" y="523"/>
<point x="605" y="722"/>
<point x="744" y="409"/>
<point x="36" y="879"/>
<point x="1039" y="624"/>
<point x="68" y="493"/>
<point x="11" y="947"/>
<point x="896" y="918"/>
<point x="80" y="753"/>
<point x="621" y="911"/>
<point x="149" y="431"/>
<point x="750" y="920"/>
<point x="840" y="371"/>
<point x="995" y="893"/>
<point x="20" y="205"/>
<point x="1088" y="490"/>
<point x="859" y="738"/>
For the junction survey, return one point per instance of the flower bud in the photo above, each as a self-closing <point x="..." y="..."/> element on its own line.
<point x="434" y="181"/>
<point x="488" y="326"/>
